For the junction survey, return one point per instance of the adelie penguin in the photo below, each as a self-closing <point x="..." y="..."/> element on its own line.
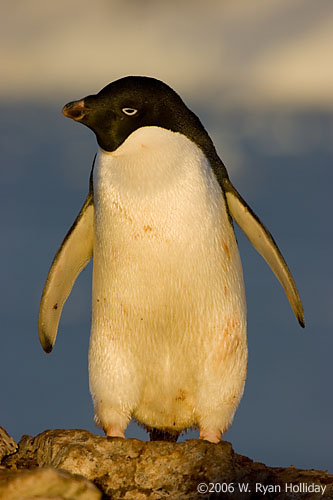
<point x="168" y="340"/>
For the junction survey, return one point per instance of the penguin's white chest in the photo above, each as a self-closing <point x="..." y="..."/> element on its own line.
<point x="168" y="312"/>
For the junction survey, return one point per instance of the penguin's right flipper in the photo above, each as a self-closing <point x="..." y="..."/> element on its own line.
<point x="73" y="255"/>
<point x="263" y="242"/>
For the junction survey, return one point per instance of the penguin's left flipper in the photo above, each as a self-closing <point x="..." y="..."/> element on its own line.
<point x="73" y="255"/>
<point x="264" y="243"/>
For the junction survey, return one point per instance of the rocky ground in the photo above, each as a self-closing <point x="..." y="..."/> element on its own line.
<point x="78" y="465"/>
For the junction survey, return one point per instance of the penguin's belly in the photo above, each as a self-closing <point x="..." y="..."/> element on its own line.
<point x="168" y="306"/>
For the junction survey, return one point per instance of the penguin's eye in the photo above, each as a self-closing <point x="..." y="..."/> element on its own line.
<point x="129" y="111"/>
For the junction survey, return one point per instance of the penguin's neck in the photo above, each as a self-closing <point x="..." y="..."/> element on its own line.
<point x="151" y="160"/>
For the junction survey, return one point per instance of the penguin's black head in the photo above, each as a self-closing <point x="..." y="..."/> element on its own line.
<point x="134" y="102"/>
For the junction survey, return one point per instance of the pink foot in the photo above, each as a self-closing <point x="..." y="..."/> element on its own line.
<point x="213" y="436"/>
<point x="114" y="431"/>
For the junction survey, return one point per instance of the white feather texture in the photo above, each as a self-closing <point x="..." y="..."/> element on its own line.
<point x="168" y="342"/>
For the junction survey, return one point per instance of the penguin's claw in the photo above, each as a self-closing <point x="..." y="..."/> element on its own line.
<point x="213" y="436"/>
<point x="114" y="431"/>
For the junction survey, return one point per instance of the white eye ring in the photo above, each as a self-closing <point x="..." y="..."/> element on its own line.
<point x="129" y="111"/>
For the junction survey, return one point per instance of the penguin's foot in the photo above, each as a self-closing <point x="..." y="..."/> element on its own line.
<point x="114" y="431"/>
<point x="211" y="435"/>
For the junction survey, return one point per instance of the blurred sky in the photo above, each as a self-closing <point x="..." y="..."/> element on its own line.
<point x="259" y="75"/>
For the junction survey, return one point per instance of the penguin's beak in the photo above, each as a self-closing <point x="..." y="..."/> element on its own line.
<point x="75" y="110"/>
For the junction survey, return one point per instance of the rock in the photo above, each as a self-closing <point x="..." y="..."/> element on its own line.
<point x="7" y="444"/>
<point x="132" y="469"/>
<point x="45" y="484"/>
